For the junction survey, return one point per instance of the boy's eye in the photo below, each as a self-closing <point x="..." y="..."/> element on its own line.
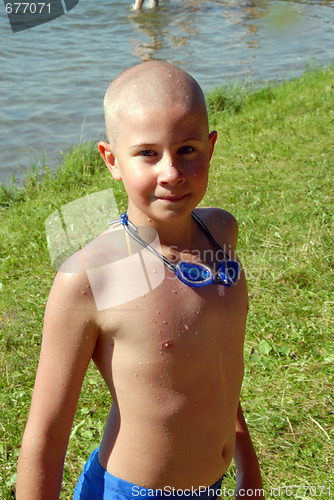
<point x="186" y="150"/>
<point x="147" y="153"/>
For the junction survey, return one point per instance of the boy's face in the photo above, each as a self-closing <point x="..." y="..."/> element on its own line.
<point x="162" y="154"/>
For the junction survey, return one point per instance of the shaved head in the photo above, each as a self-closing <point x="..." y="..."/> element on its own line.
<point x="146" y="86"/>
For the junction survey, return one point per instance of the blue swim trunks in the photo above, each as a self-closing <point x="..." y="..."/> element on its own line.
<point x="95" y="483"/>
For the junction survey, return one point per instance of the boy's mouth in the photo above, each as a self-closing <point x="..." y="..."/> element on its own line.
<point x="172" y="198"/>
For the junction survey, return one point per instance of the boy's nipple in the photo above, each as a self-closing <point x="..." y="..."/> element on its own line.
<point x="166" y="344"/>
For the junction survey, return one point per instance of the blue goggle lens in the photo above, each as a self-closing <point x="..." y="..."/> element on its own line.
<point x="229" y="272"/>
<point x="196" y="275"/>
<point x="193" y="274"/>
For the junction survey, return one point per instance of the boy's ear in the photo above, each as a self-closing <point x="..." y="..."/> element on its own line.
<point x="212" y="140"/>
<point x="109" y="159"/>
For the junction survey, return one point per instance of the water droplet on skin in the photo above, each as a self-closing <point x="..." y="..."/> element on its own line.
<point x="174" y="291"/>
<point x="136" y="375"/>
<point x="186" y="327"/>
<point x="165" y="322"/>
<point x="167" y="344"/>
<point x="158" y="312"/>
<point x="196" y="333"/>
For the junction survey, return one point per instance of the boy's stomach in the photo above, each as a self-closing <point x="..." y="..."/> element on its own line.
<point x="177" y="440"/>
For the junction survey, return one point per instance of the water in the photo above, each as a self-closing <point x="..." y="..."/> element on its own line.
<point x="53" y="77"/>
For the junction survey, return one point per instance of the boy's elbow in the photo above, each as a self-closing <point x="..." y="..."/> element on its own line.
<point x="38" y="445"/>
<point x="40" y="468"/>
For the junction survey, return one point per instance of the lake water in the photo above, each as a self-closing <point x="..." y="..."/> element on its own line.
<point x="54" y="76"/>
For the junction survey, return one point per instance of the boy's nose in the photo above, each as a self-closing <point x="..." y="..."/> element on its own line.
<point x="170" y="173"/>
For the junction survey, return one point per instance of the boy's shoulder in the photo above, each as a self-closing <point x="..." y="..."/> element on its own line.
<point x="91" y="275"/>
<point x="71" y="288"/>
<point x="73" y="276"/>
<point x="222" y="224"/>
<point x="97" y="253"/>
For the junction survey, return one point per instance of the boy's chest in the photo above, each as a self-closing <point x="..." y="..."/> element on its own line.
<point x="175" y="321"/>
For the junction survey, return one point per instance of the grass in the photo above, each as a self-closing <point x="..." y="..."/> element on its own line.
<point x="273" y="169"/>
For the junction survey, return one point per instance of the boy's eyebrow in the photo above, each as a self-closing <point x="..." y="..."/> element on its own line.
<point x="143" y="145"/>
<point x="153" y="144"/>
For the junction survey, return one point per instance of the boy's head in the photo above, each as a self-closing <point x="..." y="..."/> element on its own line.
<point x="158" y="134"/>
<point x="148" y="85"/>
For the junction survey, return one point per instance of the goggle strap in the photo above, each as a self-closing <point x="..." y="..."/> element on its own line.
<point x="138" y="239"/>
<point x="208" y="234"/>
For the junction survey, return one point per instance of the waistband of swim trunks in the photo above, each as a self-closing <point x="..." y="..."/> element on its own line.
<point x="131" y="490"/>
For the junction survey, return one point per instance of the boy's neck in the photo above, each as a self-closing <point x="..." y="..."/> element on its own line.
<point x="177" y="233"/>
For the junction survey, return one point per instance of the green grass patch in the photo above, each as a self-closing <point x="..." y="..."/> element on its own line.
<point x="273" y="169"/>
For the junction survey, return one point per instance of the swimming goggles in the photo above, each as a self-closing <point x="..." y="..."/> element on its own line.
<point x="191" y="273"/>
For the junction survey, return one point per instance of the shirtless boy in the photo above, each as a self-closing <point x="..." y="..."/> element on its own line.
<point x="172" y="358"/>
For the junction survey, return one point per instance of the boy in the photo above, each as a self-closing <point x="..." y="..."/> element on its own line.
<point x="139" y="3"/>
<point x="171" y="358"/>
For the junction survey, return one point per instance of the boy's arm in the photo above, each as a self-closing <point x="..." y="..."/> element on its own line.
<point x="248" y="470"/>
<point x="69" y="339"/>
